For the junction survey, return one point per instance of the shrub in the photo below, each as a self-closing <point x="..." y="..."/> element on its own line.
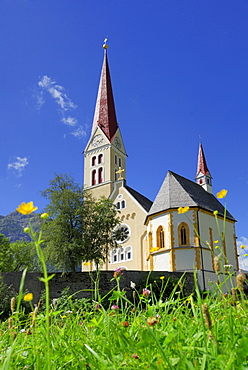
<point x="6" y="293"/>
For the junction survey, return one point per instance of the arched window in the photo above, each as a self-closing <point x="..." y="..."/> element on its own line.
<point x="121" y="204"/>
<point x="100" y="175"/>
<point x="128" y="253"/>
<point x="93" y="161"/>
<point x="93" y="177"/>
<point x="100" y="158"/>
<point x="116" y="174"/>
<point x="160" y="237"/>
<point x="122" y="254"/>
<point x="119" y="162"/>
<point x="183" y="235"/>
<point x="116" y="160"/>
<point x="114" y="256"/>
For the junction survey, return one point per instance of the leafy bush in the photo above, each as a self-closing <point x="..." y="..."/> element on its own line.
<point x="6" y="293"/>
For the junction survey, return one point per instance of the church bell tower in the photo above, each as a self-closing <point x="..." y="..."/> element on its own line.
<point x="104" y="155"/>
<point x="203" y="176"/>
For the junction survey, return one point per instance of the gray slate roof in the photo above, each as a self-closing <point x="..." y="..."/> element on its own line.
<point x="143" y="201"/>
<point x="177" y="191"/>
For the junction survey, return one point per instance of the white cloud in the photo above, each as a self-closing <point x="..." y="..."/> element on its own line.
<point x="70" y="121"/>
<point x="45" y="82"/>
<point x="57" y="93"/>
<point x="79" y="132"/>
<point x="243" y="259"/>
<point x="48" y="86"/>
<point x="18" y="165"/>
<point x="40" y="100"/>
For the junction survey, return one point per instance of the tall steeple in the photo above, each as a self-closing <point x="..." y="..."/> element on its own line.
<point x="105" y="116"/>
<point x="203" y="176"/>
<point x="104" y="155"/>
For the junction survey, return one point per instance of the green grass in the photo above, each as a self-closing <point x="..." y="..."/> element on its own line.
<point x="169" y="334"/>
<point x="156" y="330"/>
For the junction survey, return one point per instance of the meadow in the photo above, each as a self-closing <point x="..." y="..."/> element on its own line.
<point x="149" y="330"/>
<point x="194" y="332"/>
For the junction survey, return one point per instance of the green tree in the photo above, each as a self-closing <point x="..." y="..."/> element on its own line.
<point x="5" y="254"/>
<point x="100" y="221"/>
<point x="17" y="256"/>
<point x="24" y="256"/>
<point x="79" y="228"/>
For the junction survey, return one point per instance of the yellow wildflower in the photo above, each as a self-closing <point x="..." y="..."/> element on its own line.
<point x="86" y="263"/>
<point x="26" y="229"/>
<point x="221" y="194"/>
<point x="44" y="216"/>
<point x="242" y="246"/>
<point x="215" y="213"/>
<point x="161" y="277"/>
<point x="216" y="241"/>
<point x="28" y="297"/>
<point x="182" y="210"/>
<point x="187" y="300"/>
<point x="26" y="208"/>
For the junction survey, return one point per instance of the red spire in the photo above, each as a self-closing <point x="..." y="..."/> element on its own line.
<point x="202" y="164"/>
<point x="105" y="116"/>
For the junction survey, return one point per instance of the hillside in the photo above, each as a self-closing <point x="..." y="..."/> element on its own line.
<point x="13" y="224"/>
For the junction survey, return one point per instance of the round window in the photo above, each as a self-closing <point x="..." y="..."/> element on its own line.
<point x="122" y="233"/>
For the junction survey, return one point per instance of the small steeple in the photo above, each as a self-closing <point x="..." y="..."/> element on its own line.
<point x="203" y="176"/>
<point x="105" y="116"/>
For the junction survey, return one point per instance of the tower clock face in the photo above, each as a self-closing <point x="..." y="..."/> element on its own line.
<point x="98" y="140"/>
<point x="118" y="143"/>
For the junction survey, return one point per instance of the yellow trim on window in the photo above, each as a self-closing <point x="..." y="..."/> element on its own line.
<point x="187" y="238"/>
<point x="160" y="237"/>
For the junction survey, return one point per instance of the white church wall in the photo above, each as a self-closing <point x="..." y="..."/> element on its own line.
<point x="207" y="259"/>
<point x="208" y="220"/>
<point x="161" y="261"/>
<point x="161" y="220"/>
<point x="133" y="216"/>
<point x="185" y="259"/>
<point x="178" y="219"/>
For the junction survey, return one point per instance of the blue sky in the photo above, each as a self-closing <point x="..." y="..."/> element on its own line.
<point x="179" y="72"/>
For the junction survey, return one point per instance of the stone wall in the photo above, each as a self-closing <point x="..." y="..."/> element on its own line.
<point x="82" y="283"/>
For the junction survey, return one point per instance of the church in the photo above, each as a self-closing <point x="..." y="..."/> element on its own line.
<point x="157" y="236"/>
